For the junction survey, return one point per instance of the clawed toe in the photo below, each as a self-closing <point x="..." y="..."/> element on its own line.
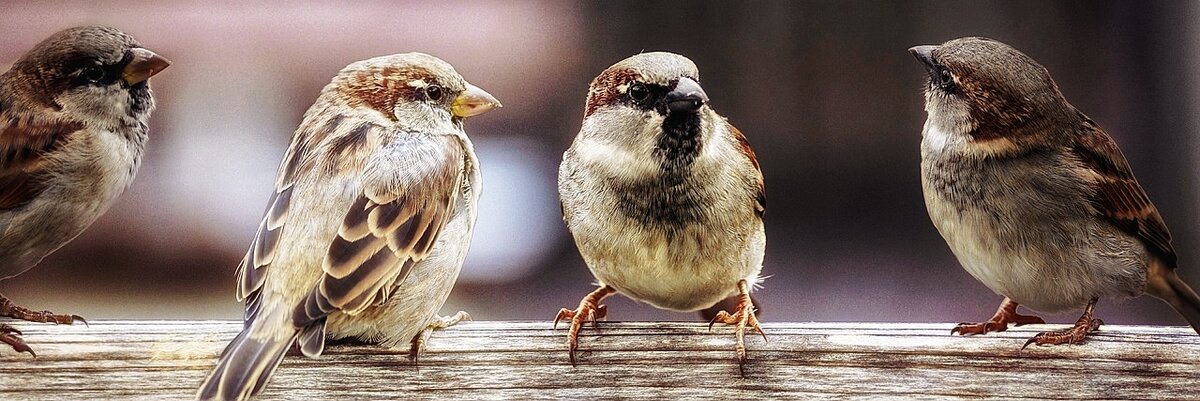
<point x="437" y="323"/>
<point x="11" y="336"/>
<point x="978" y="328"/>
<point x="741" y="319"/>
<point x="589" y="309"/>
<point x="1074" y="335"/>
<point x="1005" y="315"/>
<point x="9" y="309"/>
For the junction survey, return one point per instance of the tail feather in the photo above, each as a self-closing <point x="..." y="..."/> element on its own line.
<point x="312" y="339"/>
<point x="1163" y="283"/>
<point x="245" y="367"/>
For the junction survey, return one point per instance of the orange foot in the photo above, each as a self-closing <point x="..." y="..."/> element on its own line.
<point x="1076" y="334"/>
<point x="589" y="309"/>
<point x="12" y="337"/>
<point x="743" y="318"/>
<point x="1007" y="313"/>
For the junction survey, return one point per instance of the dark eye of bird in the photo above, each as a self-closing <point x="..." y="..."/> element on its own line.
<point x="94" y="74"/>
<point x="433" y="92"/>
<point x="945" y="79"/>
<point x="639" y="92"/>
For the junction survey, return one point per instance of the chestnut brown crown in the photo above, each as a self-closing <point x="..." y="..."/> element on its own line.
<point x="647" y="81"/>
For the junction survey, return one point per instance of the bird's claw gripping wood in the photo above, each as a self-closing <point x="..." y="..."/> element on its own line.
<point x="744" y="317"/>
<point x="9" y="309"/>
<point x="438" y="323"/>
<point x="589" y="309"/>
<point x="1005" y="315"/>
<point x="11" y="336"/>
<point x="1074" y="335"/>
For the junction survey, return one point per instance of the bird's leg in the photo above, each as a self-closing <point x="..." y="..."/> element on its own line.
<point x="1076" y="334"/>
<point x="9" y="309"/>
<point x="12" y="337"/>
<point x="742" y="318"/>
<point x="1007" y="313"/>
<point x="589" y="309"/>
<point x="437" y="323"/>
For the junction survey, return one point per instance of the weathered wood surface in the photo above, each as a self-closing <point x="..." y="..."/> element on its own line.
<point x="528" y="360"/>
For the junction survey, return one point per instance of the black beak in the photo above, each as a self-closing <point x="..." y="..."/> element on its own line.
<point x="687" y="97"/>
<point x="924" y="54"/>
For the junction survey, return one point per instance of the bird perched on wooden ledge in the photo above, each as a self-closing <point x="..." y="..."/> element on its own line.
<point x="1034" y="198"/>
<point x="663" y="196"/>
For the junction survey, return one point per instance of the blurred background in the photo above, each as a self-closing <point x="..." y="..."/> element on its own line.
<point x="825" y="91"/>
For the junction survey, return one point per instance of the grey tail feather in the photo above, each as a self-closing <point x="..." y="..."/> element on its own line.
<point x="244" y="368"/>
<point x="1166" y="285"/>
<point x="312" y="339"/>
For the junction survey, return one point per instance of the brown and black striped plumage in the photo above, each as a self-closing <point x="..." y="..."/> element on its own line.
<point x="370" y="217"/>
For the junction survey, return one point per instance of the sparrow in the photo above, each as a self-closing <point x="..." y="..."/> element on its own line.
<point x="74" y="114"/>
<point x="369" y="222"/>
<point x="1035" y="200"/>
<point x="663" y="197"/>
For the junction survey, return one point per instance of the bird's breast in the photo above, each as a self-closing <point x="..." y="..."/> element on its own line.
<point x="1024" y="227"/>
<point x="95" y="167"/>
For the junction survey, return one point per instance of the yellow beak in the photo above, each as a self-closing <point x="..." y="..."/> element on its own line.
<point x="144" y="65"/>
<point x="473" y="102"/>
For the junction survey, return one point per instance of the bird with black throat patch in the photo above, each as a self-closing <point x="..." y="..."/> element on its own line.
<point x="74" y="122"/>
<point x="1033" y="197"/>
<point x="663" y="196"/>
<point x="369" y="222"/>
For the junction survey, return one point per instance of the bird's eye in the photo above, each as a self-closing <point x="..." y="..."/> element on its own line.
<point x="945" y="79"/>
<point x="639" y="92"/>
<point x="433" y="92"/>
<point x="92" y="73"/>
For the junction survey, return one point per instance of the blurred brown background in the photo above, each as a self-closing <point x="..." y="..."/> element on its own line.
<point x="825" y="91"/>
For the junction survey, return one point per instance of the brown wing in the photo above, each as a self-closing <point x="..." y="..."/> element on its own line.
<point x="760" y="198"/>
<point x="23" y="141"/>
<point x="408" y="196"/>
<point x="1118" y="196"/>
<point x="254" y="267"/>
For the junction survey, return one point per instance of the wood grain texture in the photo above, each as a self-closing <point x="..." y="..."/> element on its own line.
<point x="528" y="360"/>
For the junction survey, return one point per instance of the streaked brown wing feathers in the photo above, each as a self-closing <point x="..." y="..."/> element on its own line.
<point x="253" y="269"/>
<point x="23" y="142"/>
<point x="255" y="266"/>
<point x="1118" y="196"/>
<point x="407" y="198"/>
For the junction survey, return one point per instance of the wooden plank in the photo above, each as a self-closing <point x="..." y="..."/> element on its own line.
<point x="527" y="360"/>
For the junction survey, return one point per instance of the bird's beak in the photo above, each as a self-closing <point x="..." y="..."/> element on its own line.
<point x="473" y="102"/>
<point x="687" y="97"/>
<point x="144" y="65"/>
<point x="924" y="54"/>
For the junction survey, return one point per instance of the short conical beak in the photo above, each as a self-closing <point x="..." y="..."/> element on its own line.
<point x="924" y="54"/>
<point x="144" y="65"/>
<point x="686" y="97"/>
<point x="474" y="101"/>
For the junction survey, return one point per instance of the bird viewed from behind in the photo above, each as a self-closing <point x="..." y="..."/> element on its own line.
<point x="369" y="222"/>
